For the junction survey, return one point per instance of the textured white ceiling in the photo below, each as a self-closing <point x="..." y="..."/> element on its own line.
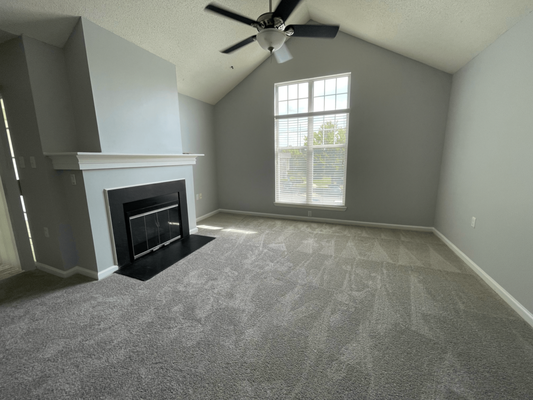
<point x="445" y="34"/>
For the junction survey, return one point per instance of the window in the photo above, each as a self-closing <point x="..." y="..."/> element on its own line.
<point x="312" y="172"/>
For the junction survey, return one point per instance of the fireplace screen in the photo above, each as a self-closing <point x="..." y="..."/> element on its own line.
<point x="154" y="229"/>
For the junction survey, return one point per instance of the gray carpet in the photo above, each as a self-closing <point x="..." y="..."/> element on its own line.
<point x="272" y="309"/>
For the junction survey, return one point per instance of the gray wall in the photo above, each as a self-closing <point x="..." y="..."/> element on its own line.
<point x="67" y="221"/>
<point x="397" y="125"/>
<point x="198" y="137"/>
<point x="26" y="68"/>
<point x="488" y="162"/>
<point x="76" y="234"/>
<point x="51" y="95"/>
<point x="135" y="95"/>
<point x="87" y="138"/>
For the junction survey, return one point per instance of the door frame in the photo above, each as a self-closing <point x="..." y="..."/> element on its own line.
<point x="12" y="193"/>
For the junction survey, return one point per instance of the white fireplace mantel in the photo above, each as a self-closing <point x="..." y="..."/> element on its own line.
<point x="95" y="161"/>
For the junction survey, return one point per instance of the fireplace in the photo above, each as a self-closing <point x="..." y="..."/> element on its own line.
<point x="103" y="188"/>
<point x="151" y="228"/>
<point x="147" y="218"/>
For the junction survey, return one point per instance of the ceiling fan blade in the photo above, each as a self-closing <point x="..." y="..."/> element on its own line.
<point x="314" y="31"/>
<point x="239" y="45"/>
<point x="285" y="8"/>
<point x="229" y="14"/>
<point x="283" y="54"/>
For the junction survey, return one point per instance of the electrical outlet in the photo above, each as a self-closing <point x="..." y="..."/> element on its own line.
<point x="73" y="179"/>
<point x="46" y="232"/>
<point x="200" y="196"/>
<point x="32" y="162"/>
<point x="473" y="222"/>
<point x="309" y="213"/>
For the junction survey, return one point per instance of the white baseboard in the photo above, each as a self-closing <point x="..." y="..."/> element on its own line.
<point x="207" y="215"/>
<point x="332" y="221"/>
<point x="504" y="294"/>
<point x="102" y="274"/>
<point x="193" y="231"/>
<point x="76" y="270"/>
<point x="55" y="271"/>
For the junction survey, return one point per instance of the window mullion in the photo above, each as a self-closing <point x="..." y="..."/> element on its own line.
<point x="276" y="150"/>
<point x="312" y="114"/>
<point x="310" y="140"/>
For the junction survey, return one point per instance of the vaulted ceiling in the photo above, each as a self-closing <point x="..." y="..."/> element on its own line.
<point x="445" y="34"/>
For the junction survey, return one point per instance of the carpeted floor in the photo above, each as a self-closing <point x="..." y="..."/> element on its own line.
<point x="271" y="309"/>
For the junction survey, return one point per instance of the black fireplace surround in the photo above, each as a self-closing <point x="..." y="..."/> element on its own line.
<point x="128" y="202"/>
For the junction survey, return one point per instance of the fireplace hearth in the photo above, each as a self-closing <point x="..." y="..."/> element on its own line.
<point x="151" y="227"/>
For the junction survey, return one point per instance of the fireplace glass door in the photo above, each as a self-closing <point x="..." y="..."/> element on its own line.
<point x="154" y="229"/>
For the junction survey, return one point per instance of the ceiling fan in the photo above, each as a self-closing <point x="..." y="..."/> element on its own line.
<point x="272" y="29"/>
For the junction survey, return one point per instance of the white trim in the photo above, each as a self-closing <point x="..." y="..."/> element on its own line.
<point x="332" y="221"/>
<point x="110" y="225"/>
<point x="143" y="184"/>
<point x="205" y="216"/>
<point x="303" y="205"/>
<point x="504" y="294"/>
<point x="313" y="113"/>
<point x="102" y="274"/>
<point x="77" y="270"/>
<point x="55" y="271"/>
<point x="193" y="231"/>
<point x="90" y="161"/>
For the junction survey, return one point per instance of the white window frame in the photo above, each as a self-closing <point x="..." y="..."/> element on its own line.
<point x="310" y="145"/>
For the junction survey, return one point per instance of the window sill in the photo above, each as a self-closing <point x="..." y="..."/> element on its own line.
<point x="321" y="207"/>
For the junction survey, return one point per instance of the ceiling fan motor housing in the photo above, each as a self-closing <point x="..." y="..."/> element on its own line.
<point x="268" y="20"/>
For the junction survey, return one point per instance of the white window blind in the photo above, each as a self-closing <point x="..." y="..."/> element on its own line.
<point x="311" y="120"/>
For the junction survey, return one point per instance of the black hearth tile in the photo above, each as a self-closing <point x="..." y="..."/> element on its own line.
<point x="151" y="264"/>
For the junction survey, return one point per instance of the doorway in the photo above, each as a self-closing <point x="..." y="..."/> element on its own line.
<point x="9" y="259"/>
<point x="16" y="247"/>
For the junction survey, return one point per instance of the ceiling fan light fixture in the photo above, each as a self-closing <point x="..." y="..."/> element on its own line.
<point x="271" y="39"/>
